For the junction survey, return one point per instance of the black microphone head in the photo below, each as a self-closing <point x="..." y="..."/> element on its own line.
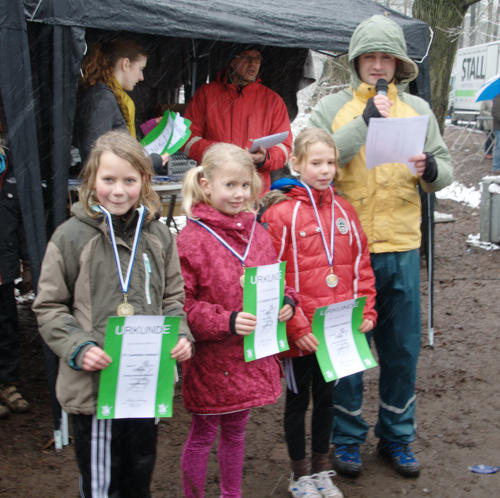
<point x="381" y="87"/>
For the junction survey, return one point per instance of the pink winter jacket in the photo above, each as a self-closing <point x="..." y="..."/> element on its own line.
<point x="217" y="379"/>
<point x="293" y="227"/>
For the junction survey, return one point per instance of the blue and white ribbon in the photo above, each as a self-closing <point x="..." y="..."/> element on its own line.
<point x="125" y="283"/>
<point x="329" y="253"/>
<point x="226" y="244"/>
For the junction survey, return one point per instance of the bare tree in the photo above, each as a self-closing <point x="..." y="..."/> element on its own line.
<point x="497" y="21"/>
<point x="491" y="21"/>
<point x="473" y="24"/>
<point x="446" y="18"/>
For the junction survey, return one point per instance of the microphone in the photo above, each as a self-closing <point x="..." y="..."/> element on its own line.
<point x="381" y="87"/>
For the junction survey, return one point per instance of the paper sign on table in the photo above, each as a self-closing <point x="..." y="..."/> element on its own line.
<point x="263" y="297"/>
<point x="169" y="135"/>
<point x="343" y="349"/>
<point x="139" y="382"/>
<point x="268" y="141"/>
<point x="395" y="140"/>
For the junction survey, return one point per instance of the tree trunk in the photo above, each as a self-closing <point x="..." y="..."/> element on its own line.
<point x="473" y="25"/>
<point x="497" y="20"/>
<point x="445" y="17"/>
<point x="491" y="21"/>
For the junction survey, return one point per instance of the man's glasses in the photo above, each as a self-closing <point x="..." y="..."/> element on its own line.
<point x="249" y="59"/>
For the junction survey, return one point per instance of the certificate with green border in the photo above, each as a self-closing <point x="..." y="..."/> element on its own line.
<point x="139" y="382"/>
<point x="263" y="297"/>
<point x="343" y="349"/>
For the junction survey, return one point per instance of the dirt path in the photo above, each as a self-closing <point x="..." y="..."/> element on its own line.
<point x="458" y="394"/>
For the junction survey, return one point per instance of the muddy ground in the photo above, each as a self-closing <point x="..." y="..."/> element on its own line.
<point x="458" y="393"/>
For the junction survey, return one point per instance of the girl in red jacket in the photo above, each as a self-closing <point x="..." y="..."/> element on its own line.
<point x="319" y="235"/>
<point x="219" y="387"/>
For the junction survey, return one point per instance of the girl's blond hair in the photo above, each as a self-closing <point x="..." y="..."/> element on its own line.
<point x="311" y="136"/>
<point x="216" y="155"/>
<point x="122" y="144"/>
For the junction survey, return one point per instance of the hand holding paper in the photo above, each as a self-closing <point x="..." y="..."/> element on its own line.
<point x="268" y="141"/>
<point x="307" y="343"/>
<point x="395" y="140"/>
<point x="95" y="359"/>
<point x="245" y="323"/>
<point x="182" y="350"/>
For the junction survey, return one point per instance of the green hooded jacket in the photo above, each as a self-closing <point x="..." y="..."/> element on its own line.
<point x="386" y="197"/>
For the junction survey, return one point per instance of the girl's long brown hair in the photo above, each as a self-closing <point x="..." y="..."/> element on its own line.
<point x="100" y="62"/>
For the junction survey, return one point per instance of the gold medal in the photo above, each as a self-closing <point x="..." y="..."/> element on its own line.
<point x="332" y="280"/>
<point x="125" y="308"/>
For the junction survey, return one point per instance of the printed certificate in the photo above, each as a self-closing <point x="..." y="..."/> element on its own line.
<point x="343" y="349"/>
<point x="263" y="297"/>
<point x="139" y="383"/>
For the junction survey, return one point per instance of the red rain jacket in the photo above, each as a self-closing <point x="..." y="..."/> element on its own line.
<point x="295" y="232"/>
<point x="222" y="112"/>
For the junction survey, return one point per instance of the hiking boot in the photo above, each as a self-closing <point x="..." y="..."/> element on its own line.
<point x="304" y="487"/>
<point x="347" y="460"/>
<point x="10" y="396"/>
<point x="401" y="457"/>
<point x="325" y="486"/>
<point x="4" y="411"/>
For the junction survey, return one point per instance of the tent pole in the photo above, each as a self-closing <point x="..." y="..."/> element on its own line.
<point x="430" y="268"/>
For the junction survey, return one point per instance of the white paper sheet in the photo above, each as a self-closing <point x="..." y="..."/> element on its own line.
<point x="268" y="305"/>
<point x="340" y="341"/>
<point x="395" y="140"/>
<point x="158" y="145"/>
<point x="269" y="141"/>
<point x="138" y="374"/>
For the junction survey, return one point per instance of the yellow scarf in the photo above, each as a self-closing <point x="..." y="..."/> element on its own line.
<point x="127" y="105"/>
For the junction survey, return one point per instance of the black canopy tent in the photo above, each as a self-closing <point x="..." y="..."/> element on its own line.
<point x="60" y="30"/>
<point x="42" y="43"/>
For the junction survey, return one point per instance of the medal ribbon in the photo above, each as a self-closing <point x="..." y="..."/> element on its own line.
<point x="224" y="243"/>
<point x="329" y="254"/>
<point x="125" y="283"/>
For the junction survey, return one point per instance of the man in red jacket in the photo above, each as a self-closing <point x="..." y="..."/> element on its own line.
<point x="237" y="109"/>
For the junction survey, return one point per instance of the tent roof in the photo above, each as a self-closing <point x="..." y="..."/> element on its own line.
<point x="314" y="24"/>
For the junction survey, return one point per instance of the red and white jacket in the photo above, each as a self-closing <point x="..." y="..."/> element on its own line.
<point x="296" y="236"/>
<point x="223" y="112"/>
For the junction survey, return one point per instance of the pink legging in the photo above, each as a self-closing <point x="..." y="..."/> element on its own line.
<point x="231" y="453"/>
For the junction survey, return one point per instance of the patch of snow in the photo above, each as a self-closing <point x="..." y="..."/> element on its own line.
<point x="474" y="240"/>
<point x="443" y="217"/>
<point x="180" y="223"/>
<point x="460" y="193"/>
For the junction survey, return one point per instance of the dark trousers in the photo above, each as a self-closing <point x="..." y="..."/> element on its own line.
<point x="308" y="377"/>
<point x="9" y="335"/>
<point x="116" y="458"/>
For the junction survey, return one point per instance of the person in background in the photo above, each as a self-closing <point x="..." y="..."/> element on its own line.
<point x="221" y="237"/>
<point x="486" y="124"/>
<point x="387" y="201"/>
<point x="110" y="71"/>
<point x="237" y="109"/>
<point x="80" y="287"/>
<point x="14" y="262"/>
<point x="495" y="112"/>
<point x="320" y="237"/>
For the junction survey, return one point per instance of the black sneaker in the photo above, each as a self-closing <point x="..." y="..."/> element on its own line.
<point x="401" y="457"/>
<point x="347" y="460"/>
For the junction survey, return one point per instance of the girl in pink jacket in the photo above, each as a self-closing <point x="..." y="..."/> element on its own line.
<point x="219" y="387"/>
<point x="319" y="235"/>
